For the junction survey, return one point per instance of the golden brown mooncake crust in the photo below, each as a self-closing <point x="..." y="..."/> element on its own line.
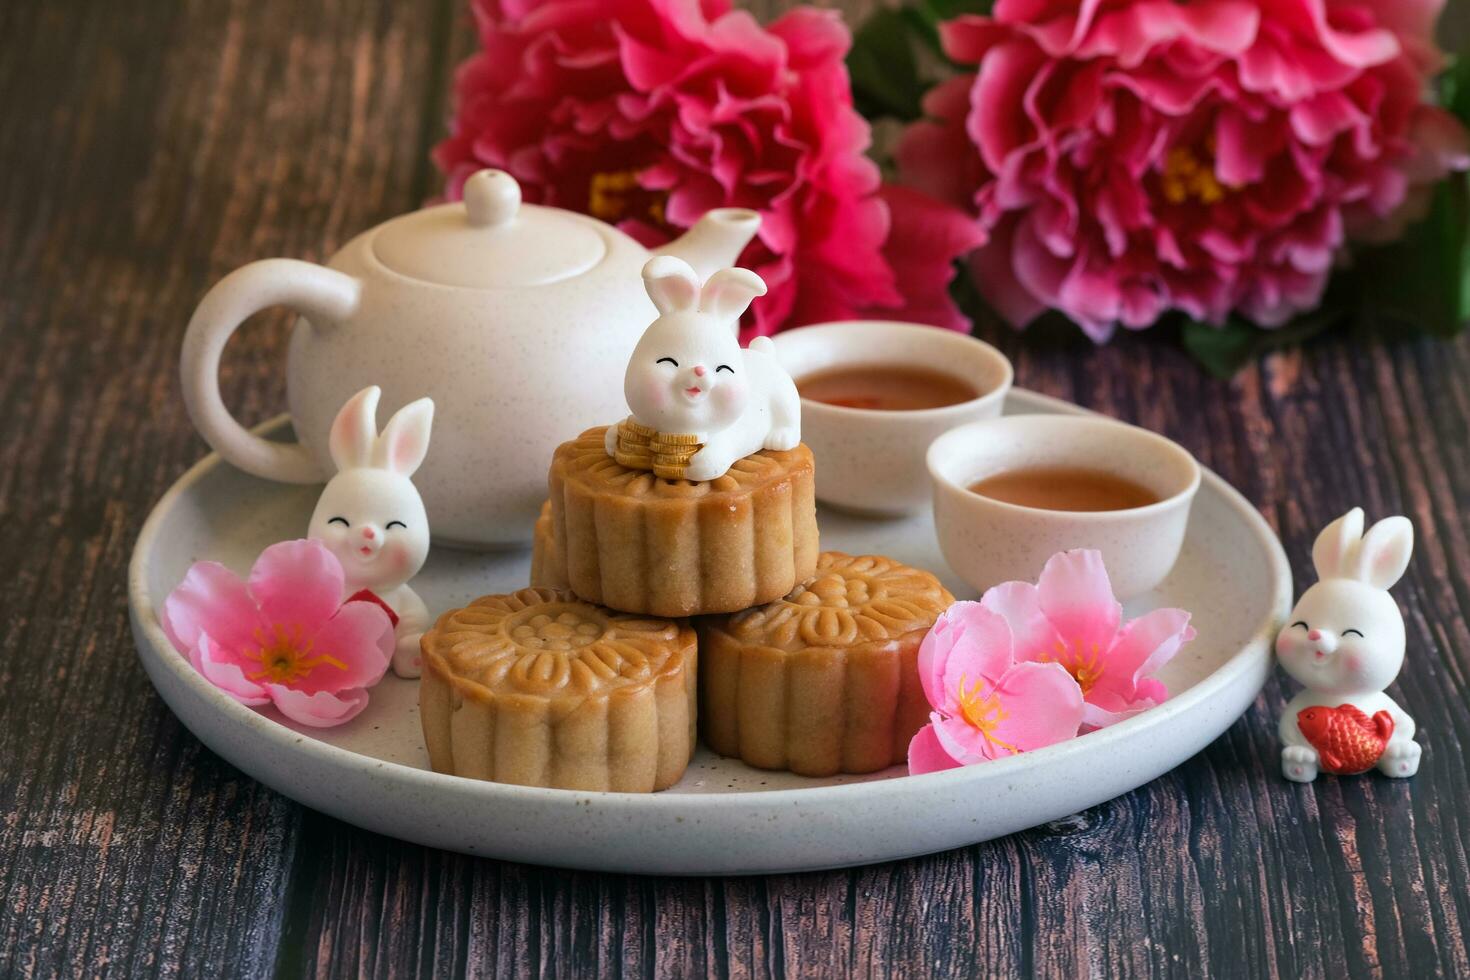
<point x="633" y="541"/>
<point x="539" y="688"/>
<point x="546" y="568"/>
<point x="824" y="680"/>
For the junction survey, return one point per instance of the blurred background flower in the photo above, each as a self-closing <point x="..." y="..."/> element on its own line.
<point x="648" y="113"/>
<point x="1131" y="157"/>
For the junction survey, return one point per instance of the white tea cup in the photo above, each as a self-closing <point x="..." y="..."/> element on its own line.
<point x="872" y="460"/>
<point x="988" y="541"/>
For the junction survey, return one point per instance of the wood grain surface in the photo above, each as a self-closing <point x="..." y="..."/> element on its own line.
<point x="148" y="147"/>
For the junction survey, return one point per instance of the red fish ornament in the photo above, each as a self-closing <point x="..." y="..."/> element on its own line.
<point x="1347" y="741"/>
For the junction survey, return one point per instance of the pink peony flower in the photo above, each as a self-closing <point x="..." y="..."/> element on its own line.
<point x="1128" y="157"/>
<point x="284" y="637"/>
<point x="1070" y="617"/>
<point x="987" y="704"/>
<point x="648" y="113"/>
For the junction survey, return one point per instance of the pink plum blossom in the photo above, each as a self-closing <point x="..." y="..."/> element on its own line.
<point x="1070" y="618"/>
<point x="284" y="637"/>
<point x="987" y="703"/>
<point x="648" y="113"/>
<point x="1129" y="157"/>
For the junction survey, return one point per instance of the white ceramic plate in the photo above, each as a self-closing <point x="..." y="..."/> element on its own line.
<point x="723" y="817"/>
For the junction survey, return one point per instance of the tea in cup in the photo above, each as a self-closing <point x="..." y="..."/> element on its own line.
<point x="875" y="394"/>
<point x="1011" y="492"/>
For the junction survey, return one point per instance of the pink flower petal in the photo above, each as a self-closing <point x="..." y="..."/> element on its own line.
<point x="1095" y="717"/>
<point x="1359" y="49"/>
<point x="1042" y="705"/>
<point x="1107" y="705"/>
<point x="211" y="599"/>
<point x="934" y="154"/>
<point x="1132" y="33"/>
<point x="319" y="710"/>
<point x="1153" y="690"/>
<point x="1145" y="644"/>
<point x="964" y="743"/>
<point x="359" y="643"/>
<point x="924" y="239"/>
<point x="223" y="674"/>
<point x="992" y="268"/>
<point x="1076" y="596"/>
<point x="1032" y="635"/>
<point x="926" y="753"/>
<point x="297" y="583"/>
<point x="968" y="643"/>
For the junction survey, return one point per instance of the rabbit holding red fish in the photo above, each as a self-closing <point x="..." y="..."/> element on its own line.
<point x="1345" y="644"/>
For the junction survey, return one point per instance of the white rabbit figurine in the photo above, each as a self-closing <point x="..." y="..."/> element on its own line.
<point x="371" y="516"/>
<point x="689" y="375"/>
<point x="1345" y="644"/>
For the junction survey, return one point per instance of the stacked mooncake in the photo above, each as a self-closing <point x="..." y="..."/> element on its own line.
<point x="808" y="666"/>
<point x="587" y="680"/>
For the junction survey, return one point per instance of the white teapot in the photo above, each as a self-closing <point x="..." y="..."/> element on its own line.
<point x="515" y="319"/>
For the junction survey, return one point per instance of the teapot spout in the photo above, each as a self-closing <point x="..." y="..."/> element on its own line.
<point x="715" y="241"/>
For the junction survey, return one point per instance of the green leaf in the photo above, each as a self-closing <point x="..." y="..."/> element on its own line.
<point x="1423" y="280"/>
<point x="1224" y="350"/>
<point x="940" y="10"/>
<point x="1454" y="88"/>
<point x="884" y="71"/>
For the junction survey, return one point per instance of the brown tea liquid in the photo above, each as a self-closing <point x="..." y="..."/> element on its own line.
<point x="893" y="388"/>
<point x="1065" y="488"/>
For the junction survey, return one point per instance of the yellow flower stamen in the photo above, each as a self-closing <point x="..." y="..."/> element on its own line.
<point x="285" y="658"/>
<point x="1187" y="175"/>
<point x="1085" y="666"/>
<point x="982" y="713"/>
<point x="612" y="195"/>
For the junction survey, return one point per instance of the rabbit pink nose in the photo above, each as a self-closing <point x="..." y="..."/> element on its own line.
<point x="367" y="532"/>
<point x="699" y="370"/>
<point x="1314" y="635"/>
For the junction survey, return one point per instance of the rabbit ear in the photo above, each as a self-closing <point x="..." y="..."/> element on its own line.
<point x="1330" y="552"/>
<point x="729" y="292"/>
<point x="671" y="283"/>
<point x="1385" y="552"/>
<point x="405" y="440"/>
<point x="355" y="430"/>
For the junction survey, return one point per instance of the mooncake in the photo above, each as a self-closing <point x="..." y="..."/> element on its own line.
<point x="546" y="569"/>
<point x="637" y="542"/>
<point x="539" y="688"/>
<point x="824" y="680"/>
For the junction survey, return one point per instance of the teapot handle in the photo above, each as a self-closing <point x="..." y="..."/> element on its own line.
<point x="322" y="295"/>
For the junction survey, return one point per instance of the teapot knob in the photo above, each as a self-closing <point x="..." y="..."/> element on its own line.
<point x="491" y="197"/>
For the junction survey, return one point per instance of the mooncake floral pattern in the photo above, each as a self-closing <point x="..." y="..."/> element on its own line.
<point x="586" y="461"/>
<point x="547" y="642"/>
<point x="851" y="600"/>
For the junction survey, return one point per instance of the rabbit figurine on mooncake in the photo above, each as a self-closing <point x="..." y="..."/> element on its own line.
<point x="688" y="375"/>
<point x="371" y="516"/>
<point x="1345" y="644"/>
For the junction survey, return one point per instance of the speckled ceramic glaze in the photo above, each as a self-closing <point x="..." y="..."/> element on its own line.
<point x="872" y="461"/>
<point x="989" y="541"/>
<point x="516" y="319"/>
<point x="722" y="817"/>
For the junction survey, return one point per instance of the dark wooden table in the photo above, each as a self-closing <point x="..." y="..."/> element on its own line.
<point x="146" y="148"/>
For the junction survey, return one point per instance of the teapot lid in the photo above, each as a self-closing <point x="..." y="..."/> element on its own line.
<point x="491" y="240"/>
